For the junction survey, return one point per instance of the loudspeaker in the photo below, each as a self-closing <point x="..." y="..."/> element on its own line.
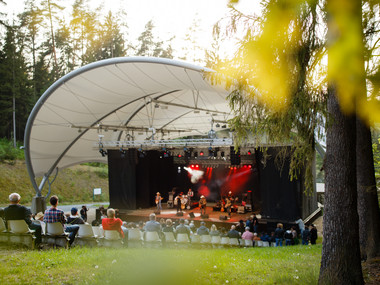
<point x="204" y="216"/>
<point x="222" y="217"/>
<point x="191" y="215"/>
<point x="179" y="214"/>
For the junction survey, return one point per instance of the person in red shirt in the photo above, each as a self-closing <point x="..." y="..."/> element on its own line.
<point x="112" y="224"/>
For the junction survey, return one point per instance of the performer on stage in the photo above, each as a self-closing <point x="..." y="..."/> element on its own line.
<point x="158" y="201"/>
<point x="202" y="205"/>
<point x="177" y="202"/>
<point x="228" y="206"/>
<point x="190" y="195"/>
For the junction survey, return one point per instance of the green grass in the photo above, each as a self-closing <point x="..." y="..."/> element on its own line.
<point x="285" y="265"/>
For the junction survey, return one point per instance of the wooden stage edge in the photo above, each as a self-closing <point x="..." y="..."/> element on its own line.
<point x="171" y="213"/>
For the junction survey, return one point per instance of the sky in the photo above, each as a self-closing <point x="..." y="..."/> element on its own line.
<point x="172" y="18"/>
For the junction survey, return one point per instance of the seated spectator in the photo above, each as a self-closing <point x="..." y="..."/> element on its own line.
<point x="279" y="234"/>
<point x="288" y="235"/>
<point x="168" y="227"/>
<point x="187" y="224"/>
<point x="214" y="231"/>
<point x="305" y="236"/>
<point x="113" y="224"/>
<point x="233" y="233"/>
<point x="74" y="218"/>
<point x="256" y="237"/>
<point x="39" y="216"/>
<point x="264" y="237"/>
<point x="192" y="226"/>
<point x="17" y="212"/>
<point x="203" y="230"/>
<point x="54" y="215"/>
<point x="162" y="223"/>
<point x="182" y="229"/>
<point x="223" y="232"/>
<point x="152" y="225"/>
<point x="248" y="235"/>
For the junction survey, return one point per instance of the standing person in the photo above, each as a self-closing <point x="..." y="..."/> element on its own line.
<point x="313" y="234"/>
<point x="83" y="213"/>
<point x="300" y="224"/>
<point x="178" y="202"/>
<point x="288" y="235"/>
<point x="190" y="195"/>
<point x="255" y="223"/>
<point x="202" y="205"/>
<point x="279" y="234"/>
<point x="228" y="207"/>
<point x="305" y="236"/>
<point x="17" y="212"/>
<point x="158" y="201"/>
<point x="54" y="215"/>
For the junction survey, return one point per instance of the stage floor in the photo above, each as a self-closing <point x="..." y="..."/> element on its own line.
<point x="171" y="213"/>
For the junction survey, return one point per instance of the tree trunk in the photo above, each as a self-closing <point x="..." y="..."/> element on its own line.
<point x="368" y="207"/>
<point x="340" y="262"/>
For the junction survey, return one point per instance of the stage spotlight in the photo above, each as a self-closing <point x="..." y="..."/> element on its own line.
<point x="103" y="152"/>
<point x="249" y="152"/>
<point x="179" y="155"/>
<point x="192" y="166"/>
<point x="201" y="153"/>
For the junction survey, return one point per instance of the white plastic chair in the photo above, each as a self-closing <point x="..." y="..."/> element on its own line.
<point x="259" y="243"/>
<point x="134" y="234"/>
<point x="195" y="239"/>
<point x="205" y="239"/>
<point x="234" y="241"/>
<point x="151" y="237"/>
<point x="18" y="227"/>
<point x="225" y="241"/>
<point x="248" y="242"/>
<point x="111" y="235"/>
<point x="85" y="230"/>
<point x="97" y="232"/>
<point x="2" y="225"/>
<point x="215" y="240"/>
<point x="55" y="229"/>
<point x="169" y="237"/>
<point x="265" y="243"/>
<point x="182" y="238"/>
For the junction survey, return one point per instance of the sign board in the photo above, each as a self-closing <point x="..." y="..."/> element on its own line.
<point x="97" y="191"/>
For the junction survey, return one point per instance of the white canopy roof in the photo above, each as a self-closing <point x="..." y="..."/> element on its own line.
<point x="119" y="98"/>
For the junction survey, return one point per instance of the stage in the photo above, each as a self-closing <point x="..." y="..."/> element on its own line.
<point x="171" y="213"/>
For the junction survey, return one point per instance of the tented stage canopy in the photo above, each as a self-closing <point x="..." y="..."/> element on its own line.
<point x="119" y="99"/>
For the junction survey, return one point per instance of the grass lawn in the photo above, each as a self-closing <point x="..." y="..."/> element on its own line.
<point x="285" y="265"/>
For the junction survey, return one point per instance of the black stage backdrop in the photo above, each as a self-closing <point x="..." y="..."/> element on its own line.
<point x="280" y="198"/>
<point x="122" y="179"/>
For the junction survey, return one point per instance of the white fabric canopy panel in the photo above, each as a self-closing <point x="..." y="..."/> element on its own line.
<point x="173" y="97"/>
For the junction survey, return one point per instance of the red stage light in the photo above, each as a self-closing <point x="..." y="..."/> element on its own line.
<point x="197" y="166"/>
<point x="201" y="153"/>
<point x="179" y="156"/>
<point x="249" y="166"/>
<point x="249" y="152"/>
<point x="249" y="191"/>
<point x="235" y="167"/>
<point x="245" y="166"/>
<point x="192" y="166"/>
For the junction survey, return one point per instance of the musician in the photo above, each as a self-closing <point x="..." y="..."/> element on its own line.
<point x="178" y="202"/>
<point x="202" y="205"/>
<point x="158" y="201"/>
<point x="228" y="206"/>
<point x="190" y="195"/>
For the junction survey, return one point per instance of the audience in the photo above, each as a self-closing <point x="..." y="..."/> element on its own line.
<point x="305" y="236"/>
<point x="233" y="233"/>
<point x="203" y="230"/>
<point x="74" y="218"/>
<point x="214" y="231"/>
<point x="279" y="234"/>
<point x="288" y="235"/>
<point x="248" y="235"/>
<point x="113" y="224"/>
<point x="54" y="215"/>
<point x="182" y="229"/>
<point x="313" y="234"/>
<point x="17" y="212"/>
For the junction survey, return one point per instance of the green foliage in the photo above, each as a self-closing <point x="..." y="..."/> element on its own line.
<point x="285" y="265"/>
<point x="8" y="152"/>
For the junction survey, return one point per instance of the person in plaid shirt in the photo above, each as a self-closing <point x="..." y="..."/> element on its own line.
<point x="54" y="215"/>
